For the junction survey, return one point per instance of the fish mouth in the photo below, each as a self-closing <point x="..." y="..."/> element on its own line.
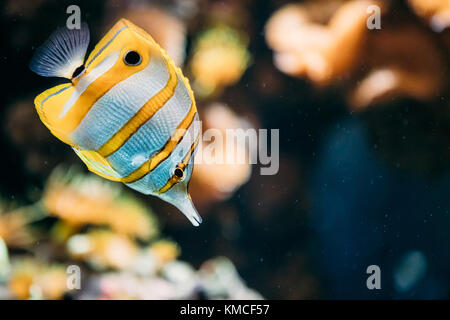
<point x="198" y="219"/>
<point x="186" y="206"/>
<point x="188" y="209"/>
<point x="179" y="197"/>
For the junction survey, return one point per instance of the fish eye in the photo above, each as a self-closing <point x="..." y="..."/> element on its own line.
<point x="132" y="58"/>
<point x="178" y="172"/>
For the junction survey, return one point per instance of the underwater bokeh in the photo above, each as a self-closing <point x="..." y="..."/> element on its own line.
<point x="364" y="158"/>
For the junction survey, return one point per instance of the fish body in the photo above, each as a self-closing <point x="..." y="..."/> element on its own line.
<point x="128" y="112"/>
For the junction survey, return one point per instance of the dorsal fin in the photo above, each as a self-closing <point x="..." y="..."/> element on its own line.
<point x="62" y="54"/>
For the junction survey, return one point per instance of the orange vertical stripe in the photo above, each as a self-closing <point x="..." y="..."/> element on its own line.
<point x="165" y="152"/>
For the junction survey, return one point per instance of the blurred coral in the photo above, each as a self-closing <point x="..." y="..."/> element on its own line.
<point x="396" y="71"/>
<point x="4" y="263"/>
<point x="78" y="199"/>
<point x="103" y="249"/>
<point x="437" y="12"/>
<point x="213" y="181"/>
<point x="14" y="228"/>
<point x="219" y="59"/>
<point x="216" y="279"/>
<point x="323" y="49"/>
<point x="386" y="60"/>
<point x="143" y="271"/>
<point x="35" y="279"/>
<point x="129" y="286"/>
<point x="220" y="280"/>
<point x="166" y="251"/>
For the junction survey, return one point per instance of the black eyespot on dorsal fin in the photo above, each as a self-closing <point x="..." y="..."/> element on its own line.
<point x="78" y="71"/>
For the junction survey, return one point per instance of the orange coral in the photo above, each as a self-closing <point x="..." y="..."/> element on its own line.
<point x="166" y="251"/>
<point x="104" y="249"/>
<point x="83" y="200"/>
<point x="220" y="58"/>
<point x="395" y="69"/>
<point x="34" y="279"/>
<point x="436" y="11"/>
<point x="322" y="52"/>
<point x="13" y="228"/>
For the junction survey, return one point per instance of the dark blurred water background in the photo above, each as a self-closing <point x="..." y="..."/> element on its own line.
<point x="362" y="181"/>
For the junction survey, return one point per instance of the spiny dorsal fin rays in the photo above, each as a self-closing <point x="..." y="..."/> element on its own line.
<point x="62" y="54"/>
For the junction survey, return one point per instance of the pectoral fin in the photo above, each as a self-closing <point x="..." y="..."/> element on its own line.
<point x="97" y="164"/>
